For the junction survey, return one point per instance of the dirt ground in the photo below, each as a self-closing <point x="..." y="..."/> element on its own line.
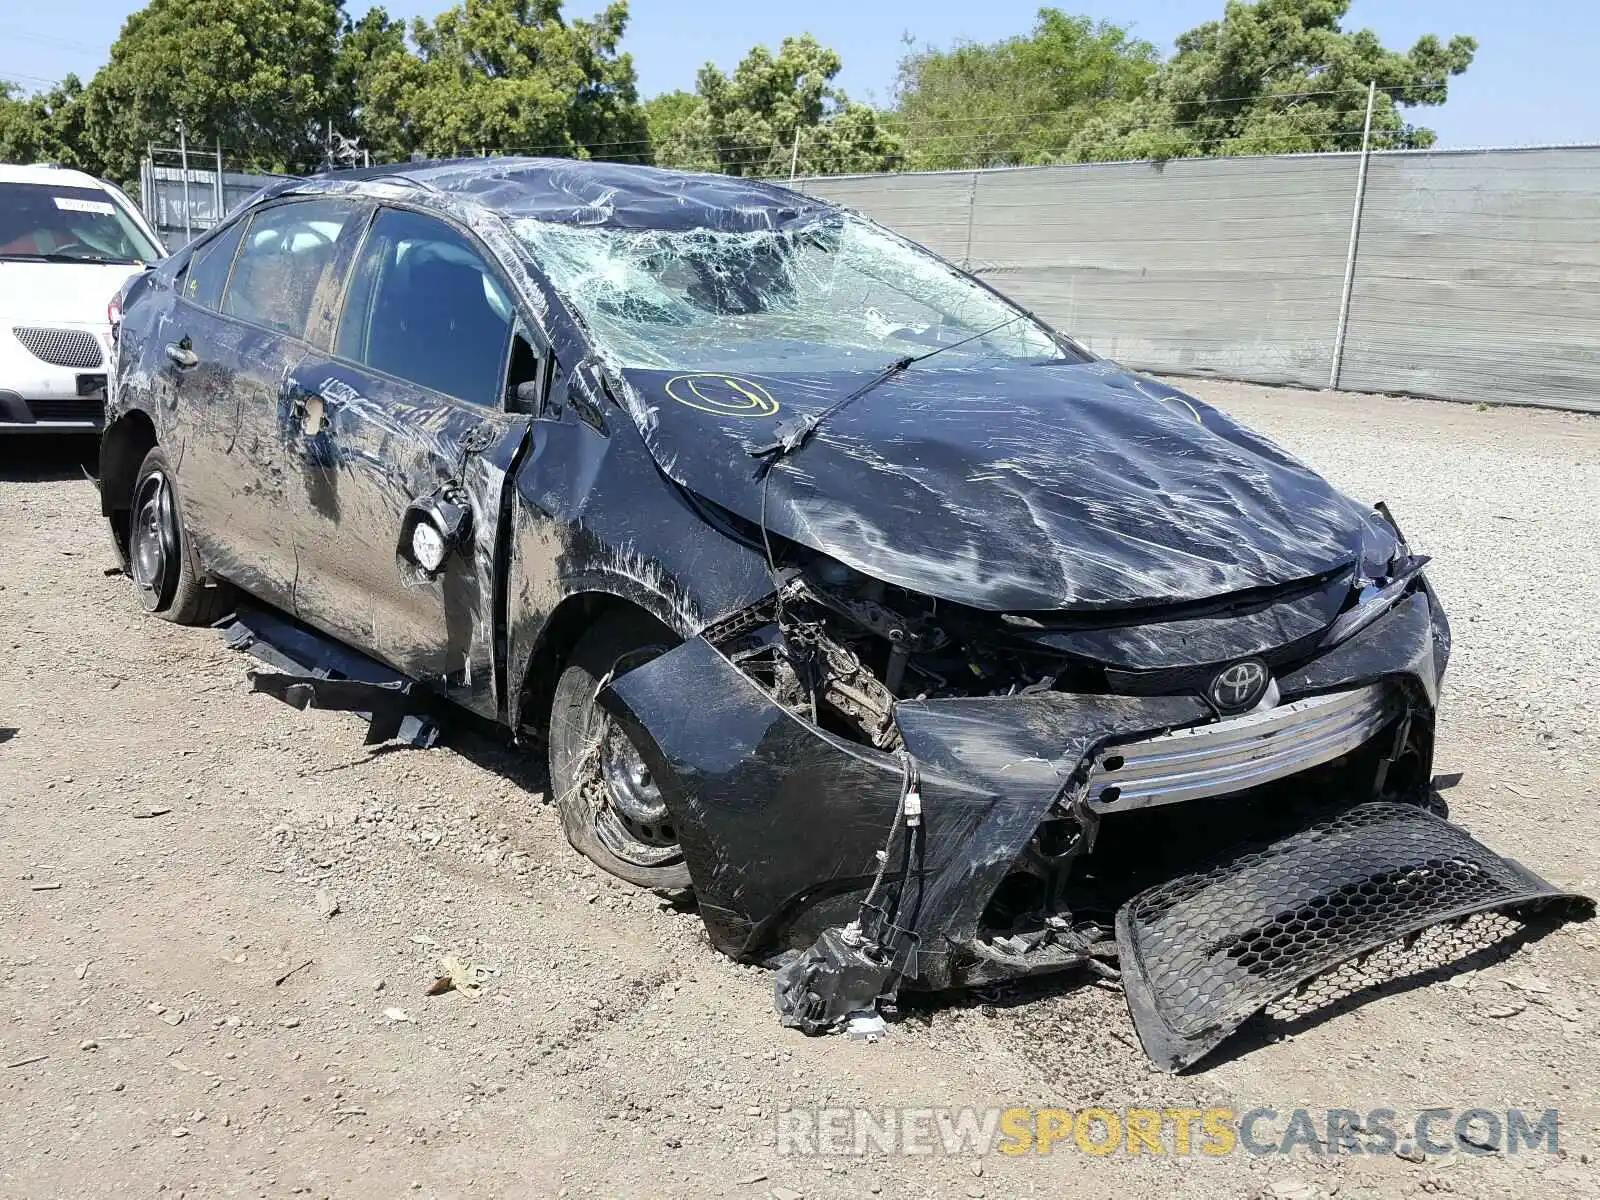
<point x="147" y="1045"/>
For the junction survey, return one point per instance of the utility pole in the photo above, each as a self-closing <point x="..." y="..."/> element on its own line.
<point x="1355" y="235"/>
<point x="794" y="155"/>
<point x="222" y="196"/>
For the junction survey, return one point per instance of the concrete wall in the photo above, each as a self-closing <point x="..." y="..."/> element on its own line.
<point x="1477" y="273"/>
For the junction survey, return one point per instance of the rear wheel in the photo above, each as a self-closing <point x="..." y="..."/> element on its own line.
<point x="611" y="805"/>
<point x="161" y="558"/>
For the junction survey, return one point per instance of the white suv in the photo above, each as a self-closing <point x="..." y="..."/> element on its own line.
<point x="68" y="242"/>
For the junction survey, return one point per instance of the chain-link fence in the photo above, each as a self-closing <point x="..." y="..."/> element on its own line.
<point x="1472" y="275"/>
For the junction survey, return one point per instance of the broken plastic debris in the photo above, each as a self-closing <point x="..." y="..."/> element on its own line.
<point x="460" y="975"/>
<point x="865" y="1027"/>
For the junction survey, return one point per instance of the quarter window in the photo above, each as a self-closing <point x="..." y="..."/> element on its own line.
<point x="425" y="307"/>
<point x="207" y="272"/>
<point x="282" y="266"/>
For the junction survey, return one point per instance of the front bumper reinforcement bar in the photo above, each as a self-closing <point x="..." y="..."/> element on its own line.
<point x="1239" y="753"/>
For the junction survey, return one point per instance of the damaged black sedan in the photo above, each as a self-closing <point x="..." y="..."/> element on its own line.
<point x="927" y="648"/>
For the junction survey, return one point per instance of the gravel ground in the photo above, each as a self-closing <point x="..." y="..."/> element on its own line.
<point x="170" y="846"/>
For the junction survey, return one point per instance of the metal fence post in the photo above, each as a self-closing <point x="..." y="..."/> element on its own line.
<point x="1355" y="235"/>
<point x="147" y="186"/>
<point x="972" y="208"/>
<point x="183" y="157"/>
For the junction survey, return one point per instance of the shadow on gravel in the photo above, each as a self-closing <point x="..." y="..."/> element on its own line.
<point x="36" y="458"/>
<point x="1431" y="957"/>
<point x="1434" y="956"/>
<point x="925" y="1007"/>
<point x="487" y="746"/>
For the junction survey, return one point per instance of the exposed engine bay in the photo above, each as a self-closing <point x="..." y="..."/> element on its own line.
<point x="841" y="649"/>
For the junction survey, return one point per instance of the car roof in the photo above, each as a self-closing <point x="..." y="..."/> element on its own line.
<point x="608" y="194"/>
<point x="47" y="174"/>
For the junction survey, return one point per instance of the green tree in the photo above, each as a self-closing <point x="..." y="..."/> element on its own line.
<point x="775" y="112"/>
<point x="255" y="75"/>
<point x="663" y="115"/>
<point x="1270" y="77"/>
<point x="1280" y="76"/>
<point x="1021" y="100"/>
<point x="46" y="127"/>
<point x="364" y="45"/>
<point x="510" y="75"/>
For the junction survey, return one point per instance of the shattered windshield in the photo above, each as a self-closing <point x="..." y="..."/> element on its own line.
<point x="838" y="294"/>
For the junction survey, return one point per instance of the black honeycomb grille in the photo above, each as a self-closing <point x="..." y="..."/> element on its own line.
<point x="1204" y="951"/>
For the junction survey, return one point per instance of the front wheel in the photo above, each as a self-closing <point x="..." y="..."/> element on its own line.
<point x="611" y="805"/>
<point x="161" y="558"/>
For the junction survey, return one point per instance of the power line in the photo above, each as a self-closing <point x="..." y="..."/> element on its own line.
<point x="18" y="76"/>
<point x="25" y="35"/>
<point x="1007" y="119"/>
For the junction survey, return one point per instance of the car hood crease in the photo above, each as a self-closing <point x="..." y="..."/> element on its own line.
<point x="1016" y="487"/>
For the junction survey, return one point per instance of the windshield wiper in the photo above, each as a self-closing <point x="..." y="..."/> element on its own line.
<point x="68" y="258"/>
<point x="796" y="434"/>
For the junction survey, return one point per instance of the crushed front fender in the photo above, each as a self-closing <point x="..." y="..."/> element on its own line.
<point x="781" y="821"/>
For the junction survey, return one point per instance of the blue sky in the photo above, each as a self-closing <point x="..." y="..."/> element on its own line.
<point x="1535" y="79"/>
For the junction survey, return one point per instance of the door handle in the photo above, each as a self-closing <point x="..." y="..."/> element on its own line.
<point x="180" y="353"/>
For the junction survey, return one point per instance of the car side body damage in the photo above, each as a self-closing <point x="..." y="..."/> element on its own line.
<point x="919" y="640"/>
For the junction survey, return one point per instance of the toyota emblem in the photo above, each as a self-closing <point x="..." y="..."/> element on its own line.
<point x="1239" y="685"/>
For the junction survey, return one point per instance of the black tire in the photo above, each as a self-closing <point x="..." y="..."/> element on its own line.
<point x="161" y="557"/>
<point x="608" y="815"/>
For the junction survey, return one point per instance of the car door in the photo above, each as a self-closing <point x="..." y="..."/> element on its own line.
<point x="406" y="412"/>
<point x="236" y="334"/>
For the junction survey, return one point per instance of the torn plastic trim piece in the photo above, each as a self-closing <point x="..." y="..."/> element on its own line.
<point x="1204" y="951"/>
<point x="394" y="706"/>
<point x="832" y="981"/>
<point x="386" y="706"/>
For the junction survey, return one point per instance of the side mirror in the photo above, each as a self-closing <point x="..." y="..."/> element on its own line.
<point x="433" y="527"/>
<point x="527" y="393"/>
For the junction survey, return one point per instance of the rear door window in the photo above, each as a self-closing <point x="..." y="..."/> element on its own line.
<point x="207" y="272"/>
<point x="424" y="306"/>
<point x="285" y="262"/>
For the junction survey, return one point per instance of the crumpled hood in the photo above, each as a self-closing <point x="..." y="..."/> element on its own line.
<point x="1012" y="487"/>
<point x="48" y="293"/>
